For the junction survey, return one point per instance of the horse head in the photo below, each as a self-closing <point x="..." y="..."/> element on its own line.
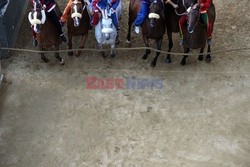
<point x="107" y="24"/>
<point x="77" y="8"/>
<point x="37" y="17"/>
<point x="156" y="11"/>
<point x="193" y="16"/>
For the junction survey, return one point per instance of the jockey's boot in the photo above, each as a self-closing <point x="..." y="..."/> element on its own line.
<point x="63" y="38"/>
<point x="34" y="42"/>
<point x="118" y="28"/>
<point x="181" y="42"/>
<point x="90" y="26"/>
<point x="61" y="22"/>
<point x="209" y="41"/>
<point x="137" y="29"/>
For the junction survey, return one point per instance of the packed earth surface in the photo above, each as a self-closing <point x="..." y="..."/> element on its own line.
<point x="200" y="117"/>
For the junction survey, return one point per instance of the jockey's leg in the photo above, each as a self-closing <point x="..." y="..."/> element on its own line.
<point x="66" y="11"/>
<point x="182" y="23"/>
<point x="141" y="16"/>
<point x="209" y="26"/>
<point x="115" y="20"/>
<point x="95" y="18"/>
<point x="53" y="16"/>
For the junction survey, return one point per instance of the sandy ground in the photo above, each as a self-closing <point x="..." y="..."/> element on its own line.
<point x="200" y="118"/>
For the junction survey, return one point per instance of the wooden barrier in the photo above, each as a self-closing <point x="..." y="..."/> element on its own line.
<point x="10" y="21"/>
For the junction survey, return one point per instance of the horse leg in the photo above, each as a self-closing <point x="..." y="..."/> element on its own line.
<point x="117" y="41"/>
<point x="70" y="43"/>
<point x="158" y="42"/>
<point x="101" y="50"/>
<point x="113" y="52"/>
<point x="129" y="33"/>
<point x="84" y="38"/>
<point x="57" y="56"/>
<point x="183" y="61"/>
<point x="170" y="46"/>
<point x="43" y="55"/>
<point x="145" y="56"/>
<point x="208" y="58"/>
<point x="200" y="58"/>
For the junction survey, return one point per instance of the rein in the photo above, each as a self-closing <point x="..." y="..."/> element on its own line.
<point x="184" y="13"/>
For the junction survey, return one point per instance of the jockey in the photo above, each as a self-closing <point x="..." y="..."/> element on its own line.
<point x="144" y="13"/>
<point x="204" y="5"/>
<point x="68" y="8"/>
<point x="49" y="6"/>
<point x="102" y="4"/>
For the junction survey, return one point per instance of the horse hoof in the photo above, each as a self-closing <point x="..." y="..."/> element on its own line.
<point x="208" y="59"/>
<point x="70" y="53"/>
<point x="168" y="61"/>
<point x="200" y="58"/>
<point x="144" y="57"/>
<point x="113" y="54"/>
<point x="153" y="64"/>
<point x="45" y="60"/>
<point x="183" y="62"/>
<point x="77" y="54"/>
<point x="103" y="54"/>
<point x="62" y="62"/>
<point x="128" y="43"/>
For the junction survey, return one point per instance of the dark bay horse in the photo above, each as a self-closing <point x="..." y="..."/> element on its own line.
<point x="195" y="32"/>
<point x="172" y="23"/>
<point x="78" y="22"/>
<point x="47" y="33"/>
<point x="153" y="26"/>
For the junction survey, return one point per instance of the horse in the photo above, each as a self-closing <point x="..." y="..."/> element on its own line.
<point x="47" y="33"/>
<point x="195" y="33"/>
<point x="172" y="23"/>
<point x="78" y="23"/>
<point x="153" y="27"/>
<point x="106" y="32"/>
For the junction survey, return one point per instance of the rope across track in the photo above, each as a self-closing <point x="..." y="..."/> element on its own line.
<point x="126" y="49"/>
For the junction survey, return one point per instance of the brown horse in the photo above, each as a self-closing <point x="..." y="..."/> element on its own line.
<point x="153" y="27"/>
<point x="195" y="33"/>
<point x="78" y="22"/>
<point x="47" y="33"/>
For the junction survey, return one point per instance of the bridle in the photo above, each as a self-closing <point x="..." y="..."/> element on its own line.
<point x="75" y="13"/>
<point x="37" y="8"/>
<point x="158" y="2"/>
<point x="197" y="18"/>
<point x="106" y="16"/>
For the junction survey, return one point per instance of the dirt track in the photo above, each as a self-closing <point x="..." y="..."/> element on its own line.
<point x="200" y="118"/>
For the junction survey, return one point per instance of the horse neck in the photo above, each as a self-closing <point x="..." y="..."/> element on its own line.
<point x="49" y="27"/>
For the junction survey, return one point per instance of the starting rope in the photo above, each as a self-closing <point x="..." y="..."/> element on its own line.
<point x="126" y="49"/>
